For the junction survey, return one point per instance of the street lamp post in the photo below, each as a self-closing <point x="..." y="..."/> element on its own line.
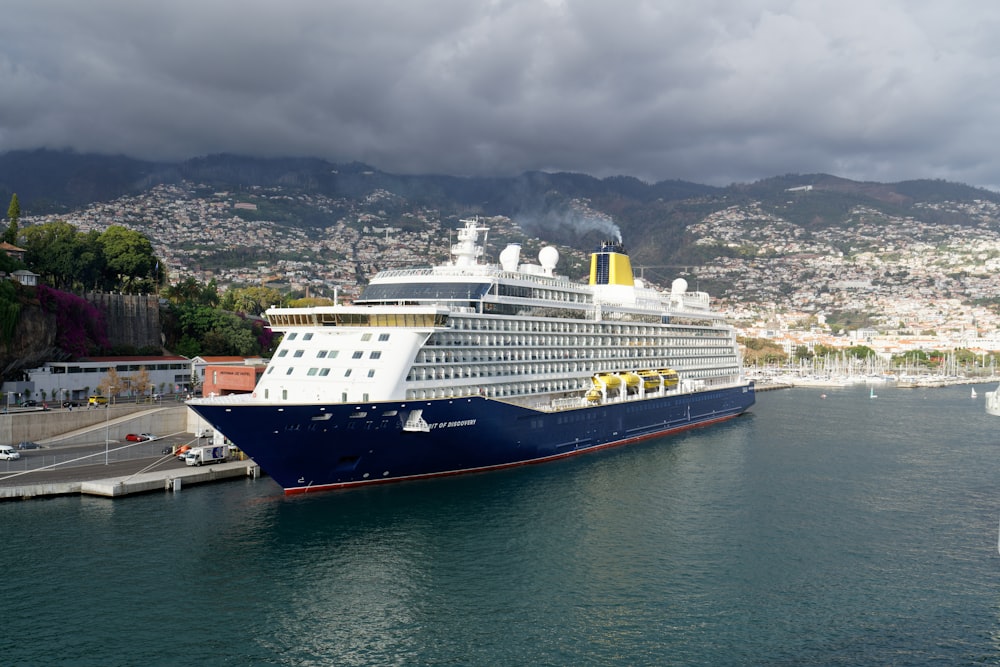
<point x="107" y="430"/>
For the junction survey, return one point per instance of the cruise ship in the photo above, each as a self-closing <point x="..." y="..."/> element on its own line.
<point x="472" y="366"/>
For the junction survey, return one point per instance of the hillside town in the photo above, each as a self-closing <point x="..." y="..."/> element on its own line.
<point x="920" y="285"/>
<point x="925" y="286"/>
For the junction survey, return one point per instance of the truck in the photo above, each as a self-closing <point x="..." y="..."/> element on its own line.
<point x="197" y="456"/>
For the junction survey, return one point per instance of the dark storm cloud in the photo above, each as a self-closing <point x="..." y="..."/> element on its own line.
<point x="714" y="91"/>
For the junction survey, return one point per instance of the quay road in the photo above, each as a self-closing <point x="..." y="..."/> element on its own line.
<point x="74" y="463"/>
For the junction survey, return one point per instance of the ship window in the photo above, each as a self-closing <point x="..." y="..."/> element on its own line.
<point x="298" y="353"/>
<point x="321" y="354"/>
<point x="290" y="369"/>
<point x="271" y="368"/>
<point x="357" y="354"/>
<point x="312" y="371"/>
<point x="323" y="372"/>
<point x="375" y="355"/>
<point x="284" y="394"/>
<point x="366" y="336"/>
<point x="423" y="291"/>
<point x="282" y="353"/>
<point x="333" y="354"/>
<point x="383" y="337"/>
<point x="307" y="336"/>
<point x="347" y="373"/>
<point x="292" y="335"/>
<point x="371" y="373"/>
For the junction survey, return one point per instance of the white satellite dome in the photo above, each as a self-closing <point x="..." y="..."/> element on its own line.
<point x="679" y="286"/>
<point x="548" y="257"/>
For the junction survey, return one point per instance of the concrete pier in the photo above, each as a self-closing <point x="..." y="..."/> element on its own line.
<point x="63" y="430"/>
<point x="171" y="479"/>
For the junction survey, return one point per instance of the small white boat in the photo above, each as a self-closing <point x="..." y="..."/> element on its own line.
<point x="872" y="394"/>
<point x="973" y="392"/>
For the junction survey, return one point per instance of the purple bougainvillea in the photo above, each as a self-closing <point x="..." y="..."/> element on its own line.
<point x="265" y="337"/>
<point x="80" y="327"/>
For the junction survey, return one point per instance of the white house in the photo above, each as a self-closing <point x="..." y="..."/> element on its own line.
<point x="25" y="277"/>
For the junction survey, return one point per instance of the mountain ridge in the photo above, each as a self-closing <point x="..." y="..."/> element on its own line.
<point x="564" y="207"/>
<point x="51" y="178"/>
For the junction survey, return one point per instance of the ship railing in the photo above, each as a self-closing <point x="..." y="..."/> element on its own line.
<point x="568" y="403"/>
<point x="227" y="399"/>
<point x="689" y="386"/>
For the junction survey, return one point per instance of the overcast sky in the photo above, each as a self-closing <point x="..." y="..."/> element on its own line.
<point x="711" y="91"/>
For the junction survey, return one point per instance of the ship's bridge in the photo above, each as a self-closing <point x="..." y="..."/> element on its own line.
<point x="421" y="292"/>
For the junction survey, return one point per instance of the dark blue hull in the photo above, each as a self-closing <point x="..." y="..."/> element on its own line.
<point x="311" y="447"/>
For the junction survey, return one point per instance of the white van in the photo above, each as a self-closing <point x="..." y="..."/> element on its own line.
<point x="8" y="453"/>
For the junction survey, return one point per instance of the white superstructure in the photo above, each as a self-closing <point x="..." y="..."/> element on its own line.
<point x="514" y="331"/>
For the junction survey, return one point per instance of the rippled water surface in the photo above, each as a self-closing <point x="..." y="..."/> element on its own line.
<point x="817" y="531"/>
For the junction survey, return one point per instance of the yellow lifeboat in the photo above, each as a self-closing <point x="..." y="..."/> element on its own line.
<point x="650" y="379"/>
<point x="670" y="378"/>
<point x="608" y="380"/>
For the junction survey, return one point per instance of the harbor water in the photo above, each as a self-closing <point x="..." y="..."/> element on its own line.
<point x="824" y="528"/>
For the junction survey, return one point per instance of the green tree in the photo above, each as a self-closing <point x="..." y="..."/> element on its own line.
<point x="238" y="336"/>
<point x="53" y="251"/>
<point x="184" y="291"/>
<point x="209" y="295"/>
<point x="252" y="300"/>
<point x="965" y="356"/>
<point x="14" y="215"/>
<point x="69" y="259"/>
<point x="190" y="291"/>
<point x="761" y="351"/>
<point x="911" y="358"/>
<point x="860" y="351"/>
<point x="90" y="267"/>
<point x="309" y="302"/>
<point x="821" y="350"/>
<point x="129" y="257"/>
<point x="195" y="329"/>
